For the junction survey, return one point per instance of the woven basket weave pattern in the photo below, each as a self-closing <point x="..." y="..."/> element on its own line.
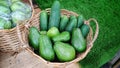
<point x="9" y="40"/>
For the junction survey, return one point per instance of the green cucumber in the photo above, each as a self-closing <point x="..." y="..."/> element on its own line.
<point x="72" y="24"/>
<point x="78" y="40"/>
<point x="45" y="48"/>
<point x="43" y="32"/>
<point x="34" y="37"/>
<point x="43" y="20"/>
<point x="63" y="22"/>
<point x="54" y="15"/>
<point x="85" y="30"/>
<point x="80" y="21"/>
<point x="64" y="36"/>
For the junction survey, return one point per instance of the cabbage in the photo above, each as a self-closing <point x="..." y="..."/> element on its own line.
<point x="28" y="12"/>
<point x="28" y="15"/>
<point x="5" y="12"/>
<point x="14" y="1"/>
<point x="20" y="6"/>
<point x="21" y="12"/>
<point x="17" y="6"/>
<point x="4" y="3"/>
<point x="13" y="10"/>
<point x="2" y="23"/>
<point x="18" y="17"/>
<point x="4" y="9"/>
<point x="5" y="23"/>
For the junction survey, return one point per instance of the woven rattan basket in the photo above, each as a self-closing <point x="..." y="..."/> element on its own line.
<point x="90" y="39"/>
<point x="28" y="59"/>
<point x="10" y="39"/>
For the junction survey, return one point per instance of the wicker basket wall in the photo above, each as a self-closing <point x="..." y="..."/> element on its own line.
<point x="10" y="39"/>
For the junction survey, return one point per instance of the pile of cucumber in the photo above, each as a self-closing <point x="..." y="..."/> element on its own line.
<point x="60" y="37"/>
<point x="13" y="12"/>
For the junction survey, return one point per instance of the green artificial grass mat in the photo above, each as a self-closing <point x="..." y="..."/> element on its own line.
<point x="107" y="13"/>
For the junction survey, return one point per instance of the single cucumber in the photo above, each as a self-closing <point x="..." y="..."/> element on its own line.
<point x="78" y="40"/>
<point x="43" y="20"/>
<point x="85" y="30"/>
<point x="52" y="32"/>
<point x="72" y="24"/>
<point x="80" y="21"/>
<point x="43" y="32"/>
<point x="54" y="15"/>
<point x="63" y="22"/>
<point x="65" y="52"/>
<point x="34" y="37"/>
<point x="45" y="48"/>
<point x="64" y="36"/>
